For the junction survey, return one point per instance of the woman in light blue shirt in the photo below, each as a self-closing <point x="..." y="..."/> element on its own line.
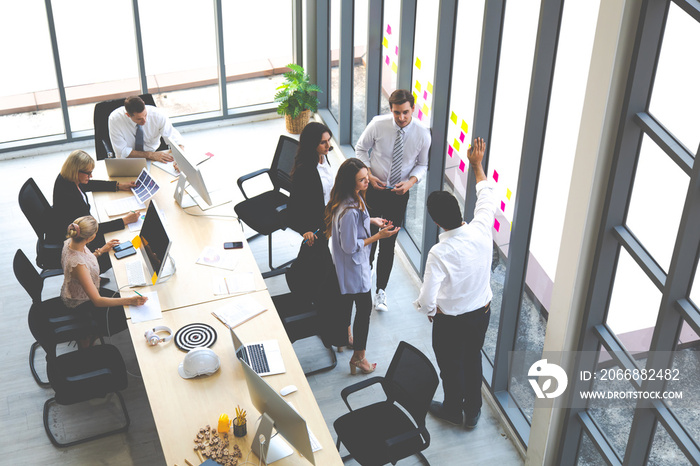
<point x="348" y="225"/>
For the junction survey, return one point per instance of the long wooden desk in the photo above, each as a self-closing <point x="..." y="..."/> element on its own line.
<point x="181" y="406"/>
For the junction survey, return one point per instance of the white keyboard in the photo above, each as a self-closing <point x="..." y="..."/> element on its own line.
<point x="134" y="273"/>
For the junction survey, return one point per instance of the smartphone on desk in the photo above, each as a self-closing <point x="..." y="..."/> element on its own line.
<point x="124" y="253"/>
<point x="122" y="246"/>
<point x="234" y="245"/>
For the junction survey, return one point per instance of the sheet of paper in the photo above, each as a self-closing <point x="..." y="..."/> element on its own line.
<point x="138" y="224"/>
<point x="239" y="310"/>
<point x="234" y="284"/>
<point x="167" y="167"/>
<point x="122" y="206"/>
<point x="149" y="311"/>
<point x="217" y="257"/>
<point x="145" y="187"/>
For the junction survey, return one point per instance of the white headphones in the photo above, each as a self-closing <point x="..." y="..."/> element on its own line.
<point x="153" y="339"/>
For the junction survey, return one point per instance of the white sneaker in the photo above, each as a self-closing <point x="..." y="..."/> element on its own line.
<point x="380" y="301"/>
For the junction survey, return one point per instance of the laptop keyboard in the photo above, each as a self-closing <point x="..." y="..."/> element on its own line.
<point x="258" y="360"/>
<point x="134" y="273"/>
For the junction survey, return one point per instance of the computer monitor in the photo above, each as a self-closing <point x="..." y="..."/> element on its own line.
<point x="155" y="243"/>
<point x="275" y="411"/>
<point x="191" y="174"/>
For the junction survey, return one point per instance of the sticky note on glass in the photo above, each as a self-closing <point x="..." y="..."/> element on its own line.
<point x="495" y="176"/>
<point x="430" y="87"/>
<point x="461" y="137"/>
<point x="450" y="150"/>
<point x="418" y="63"/>
<point x="508" y="193"/>
<point x="503" y="206"/>
<point x="387" y="61"/>
<point x="462" y="165"/>
<point x="496" y="224"/>
<point x="415" y="96"/>
<point x="465" y="126"/>
<point x="456" y="144"/>
<point x="453" y="118"/>
<point x="385" y="43"/>
<point x="388" y="29"/>
<point x="394" y="68"/>
<point x="425" y="109"/>
<point x="396" y="50"/>
<point x="425" y="95"/>
<point x="418" y="86"/>
<point x="420" y="114"/>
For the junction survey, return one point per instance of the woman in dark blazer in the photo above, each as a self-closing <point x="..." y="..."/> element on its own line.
<point x="313" y="271"/>
<point x="71" y="202"/>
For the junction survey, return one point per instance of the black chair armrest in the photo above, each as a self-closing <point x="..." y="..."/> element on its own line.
<point x="298" y="317"/>
<point x="413" y="433"/>
<point x="247" y="177"/>
<point x="347" y="391"/>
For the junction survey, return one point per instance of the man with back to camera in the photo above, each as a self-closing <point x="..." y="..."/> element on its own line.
<point x="136" y="129"/>
<point x="456" y="294"/>
<point x="395" y="149"/>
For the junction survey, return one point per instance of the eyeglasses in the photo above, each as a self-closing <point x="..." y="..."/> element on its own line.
<point x="86" y="173"/>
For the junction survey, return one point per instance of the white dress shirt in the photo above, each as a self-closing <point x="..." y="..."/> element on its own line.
<point x="380" y="135"/>
<point x="457" y="275"/>
<point x="122" y="131"/>
<point x="327" y="180"/>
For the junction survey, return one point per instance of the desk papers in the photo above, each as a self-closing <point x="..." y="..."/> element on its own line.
<point x="234" y="284"/>
<point x="238" y="311"/>
<point x="222" y="259"/>
<point x="149" y="311"/>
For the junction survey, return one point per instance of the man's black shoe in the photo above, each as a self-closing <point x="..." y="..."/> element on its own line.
<point x="470" y="422"/>
<point x="437" y="410"/>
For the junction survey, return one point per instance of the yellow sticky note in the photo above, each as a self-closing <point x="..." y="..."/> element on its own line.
<point x="418" y="63"/>
<point x="430" y="87"/>
<point x="425" y="109"/>
<point x="453" y="117"/>
<point x="508" y="193"/>
<point x="394" y="68"/>
<point x="154" y="278"/>
<point x="418" y="86"/>
<point x="456" y="144"/>
<point x="415" y="96"/>
<point x="465" y="127"/>
<point x="136" y="242"/>
<point x="385" y="43"/>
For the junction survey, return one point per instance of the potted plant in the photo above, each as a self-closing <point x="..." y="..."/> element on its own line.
<point x="296" y="98"/>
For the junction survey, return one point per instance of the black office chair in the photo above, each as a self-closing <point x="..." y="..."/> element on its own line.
<point x="79" y="376"/>
<point x="265" y="213"/>
<point x="304" y="318"/>
<point x="103" y="145"/>
<point x="382" y="432"/>
<point x="39" y="212"/>
<point x="52" y="315"/>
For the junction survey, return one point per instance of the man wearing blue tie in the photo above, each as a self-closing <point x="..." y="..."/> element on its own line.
<point x="395" y="149"/>
<point x="136" y="129"/>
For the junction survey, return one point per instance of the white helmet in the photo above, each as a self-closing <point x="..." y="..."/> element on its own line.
<point x="199" y="361"/>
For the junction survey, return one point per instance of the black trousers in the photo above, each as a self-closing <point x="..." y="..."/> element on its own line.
<point x="457" y="342"/>
<point x="363" y="309"/>
<point x="390" y="206"/>
<point x="112" y="317"/>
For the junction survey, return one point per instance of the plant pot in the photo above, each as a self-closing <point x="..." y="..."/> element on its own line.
<point x="296" y="125"/>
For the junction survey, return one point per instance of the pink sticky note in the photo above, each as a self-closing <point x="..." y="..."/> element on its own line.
<point x="503" y="206"/>
<point x="209" y="154"/>
<point x="450" y="150"/>
<point x="396" y="51"/>
<point x="425" y="95"/>
<point x="420" y="114"/>
<point x="461" y="137"/>
<point x="462" y="166"/>
<point x="388" y="29"/>
<point x="496" y="224"/>
<point x="495" y="176"/>
<point x="387" y="61"/>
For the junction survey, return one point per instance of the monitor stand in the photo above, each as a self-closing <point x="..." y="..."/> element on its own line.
<point x="269" y="450"/>
<point x="183" y="199"/>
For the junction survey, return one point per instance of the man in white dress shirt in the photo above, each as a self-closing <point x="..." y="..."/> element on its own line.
<point x="136" y="129"/>
<point x="456" y="294"/>
<point x="395" y="149"/>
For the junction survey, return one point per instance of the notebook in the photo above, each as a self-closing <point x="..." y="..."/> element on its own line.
<point x="264" y="357"/>
<point x="125" y="167"/>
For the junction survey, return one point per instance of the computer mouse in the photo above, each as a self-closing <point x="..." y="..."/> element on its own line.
<point x="288" y="389"/>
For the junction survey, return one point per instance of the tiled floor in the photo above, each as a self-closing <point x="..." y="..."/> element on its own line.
<point x="252" y="146"/>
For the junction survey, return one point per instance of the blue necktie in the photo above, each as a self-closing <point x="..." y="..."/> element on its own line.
<point x="138" y="145"/>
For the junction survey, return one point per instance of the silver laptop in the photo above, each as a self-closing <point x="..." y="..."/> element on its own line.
<point x="264" y="357"/>
<point x="125" y="167"/>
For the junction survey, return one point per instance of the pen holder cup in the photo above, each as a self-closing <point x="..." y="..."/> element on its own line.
<point x="239" y="431"/>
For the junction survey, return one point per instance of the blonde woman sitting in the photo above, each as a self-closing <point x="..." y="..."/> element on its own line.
<point x="82" y="279"/>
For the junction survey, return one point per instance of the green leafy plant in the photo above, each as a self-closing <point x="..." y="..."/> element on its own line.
<point x="296" y="94"/>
